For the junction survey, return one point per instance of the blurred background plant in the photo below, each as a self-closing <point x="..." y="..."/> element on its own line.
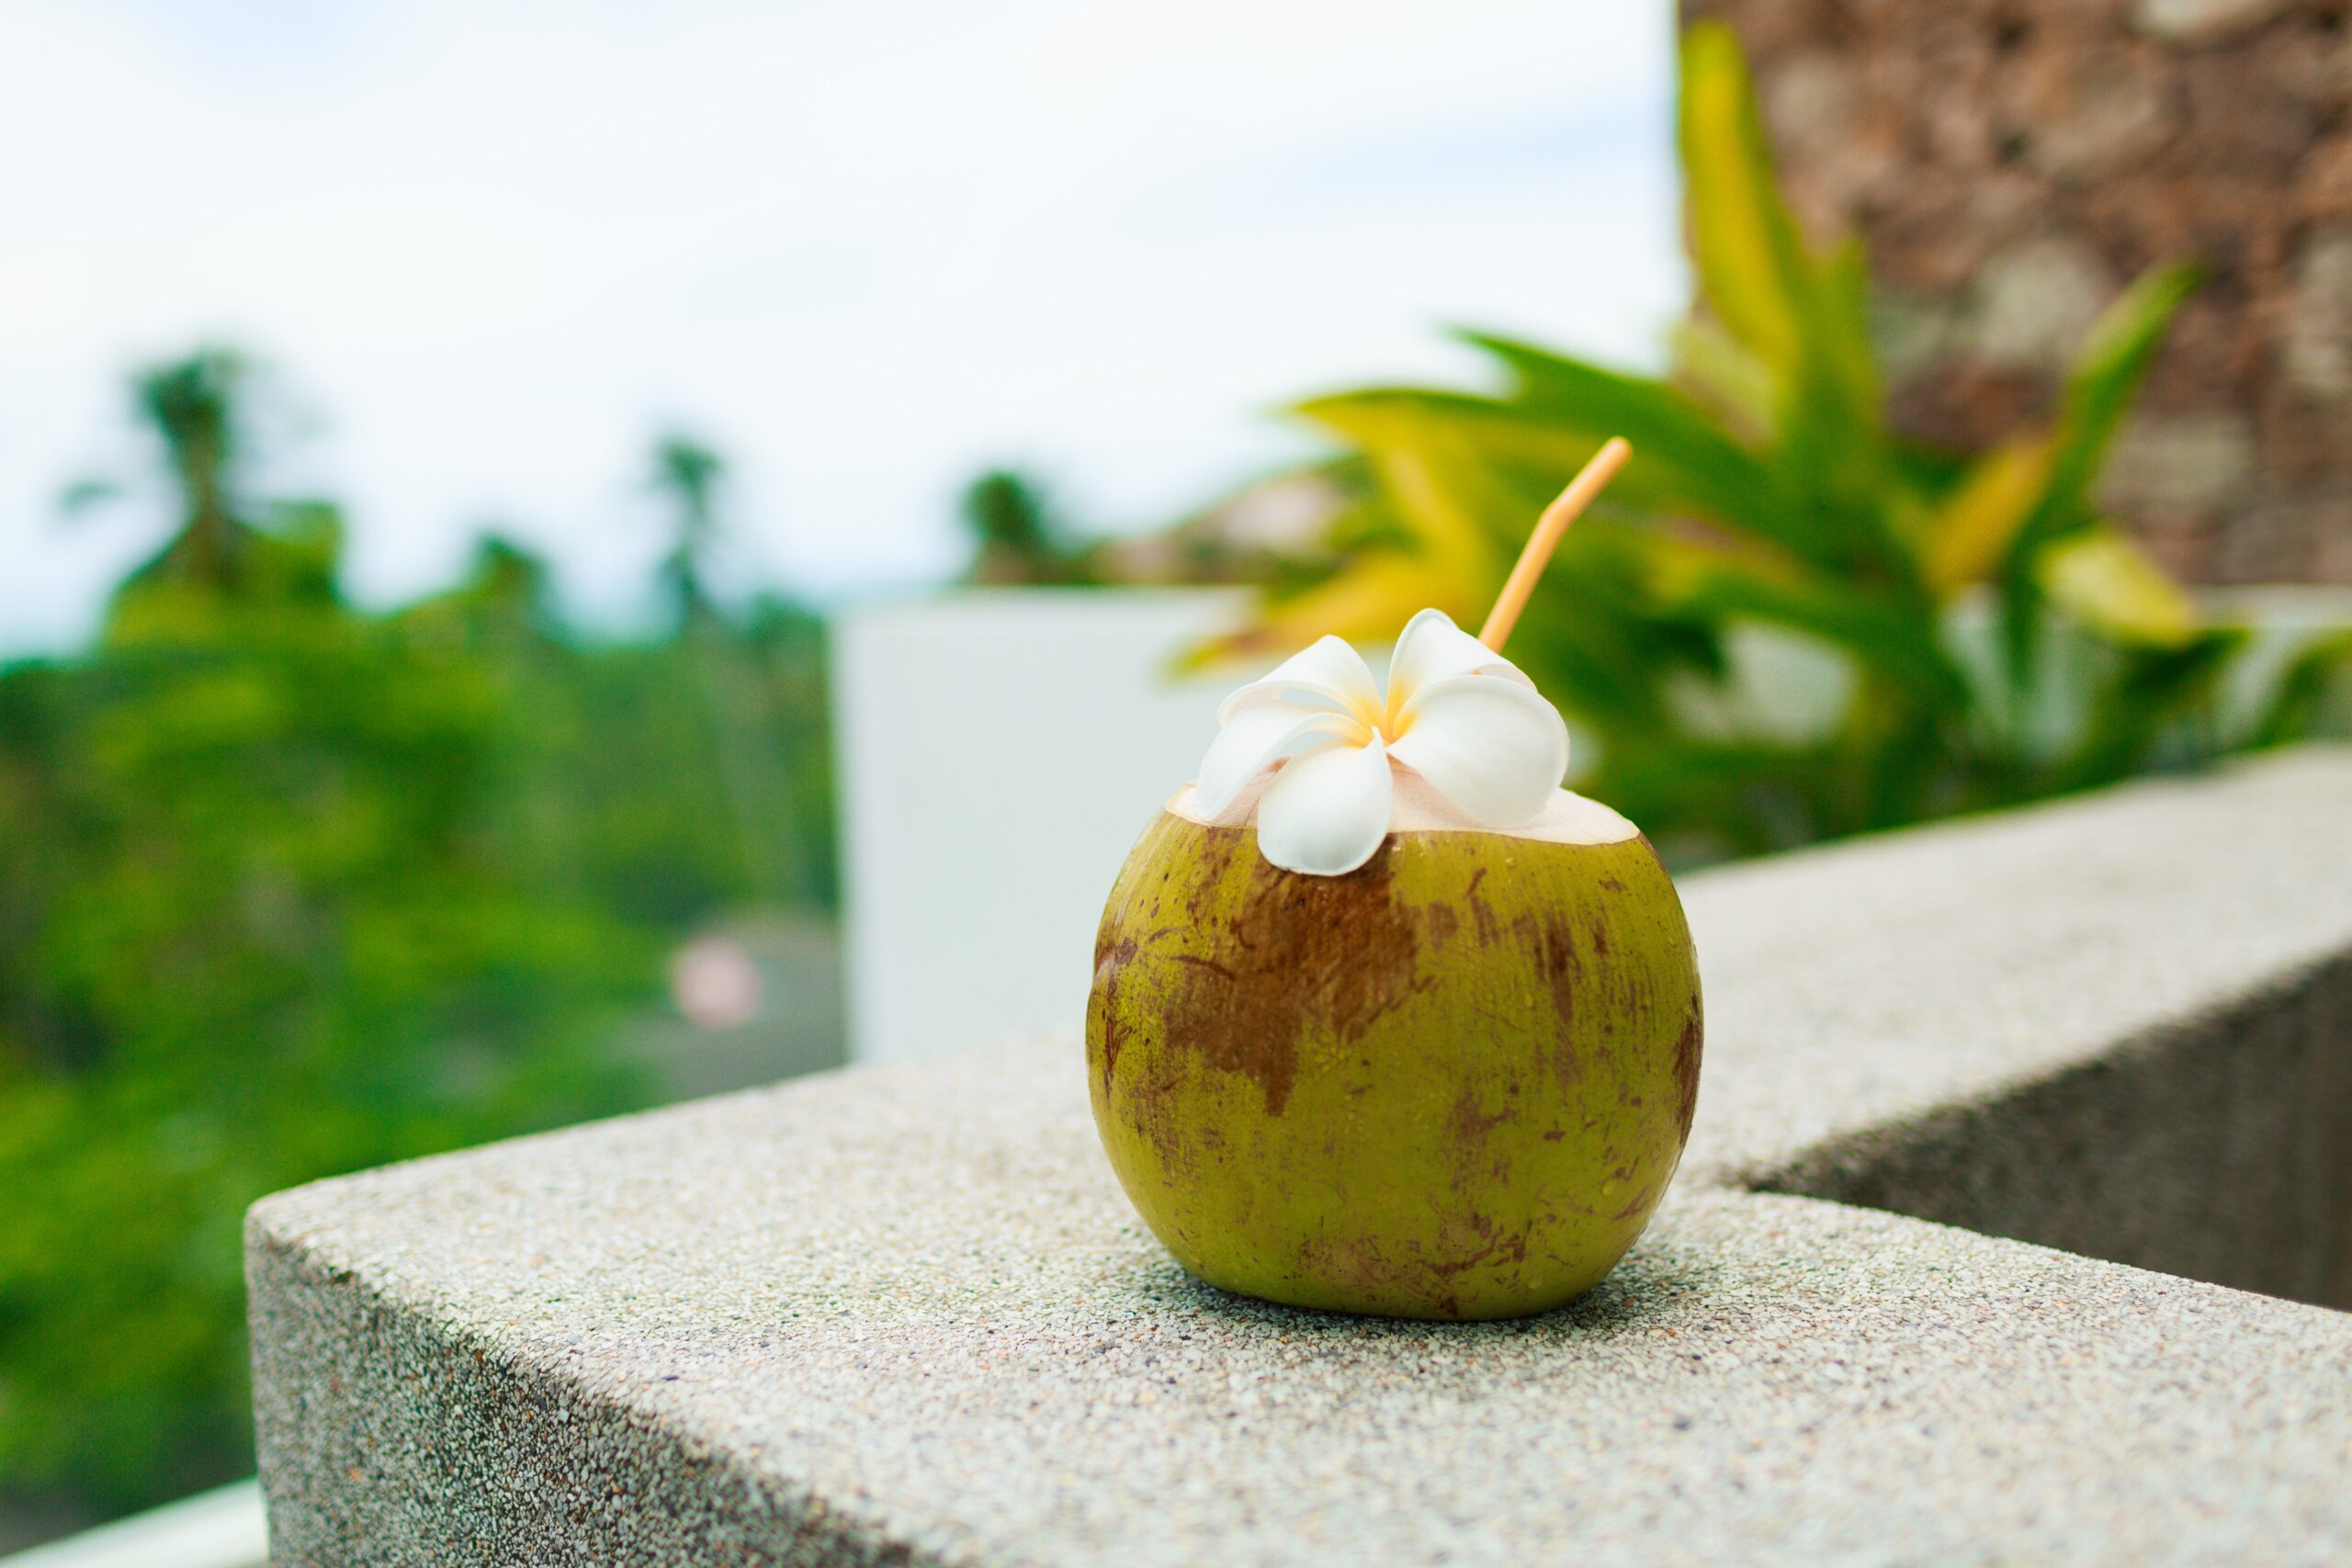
<point x="1976" y="634"/>
<point x="1017" y="541"/>
<point x="290" y="889"/>
<point x="1269" y="532"/>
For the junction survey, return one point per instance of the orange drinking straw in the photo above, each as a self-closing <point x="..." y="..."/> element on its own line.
<point x="1546" y="538"/>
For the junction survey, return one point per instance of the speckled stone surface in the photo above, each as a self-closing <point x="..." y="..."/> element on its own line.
<point x="2120" y="1024"/>
<point x="904" y="1315"/>
<point x="1868" y="983"/>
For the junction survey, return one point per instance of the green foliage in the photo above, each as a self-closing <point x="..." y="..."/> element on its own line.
<point x="1990" y="636"/>
<point x="1017" y="538"/>
<point x="664" y="779"/>
<point x="688" y="473"/>
<point x="259" y="936"/>
<point x="189" y="404"/>
<point x="289" y="889"/>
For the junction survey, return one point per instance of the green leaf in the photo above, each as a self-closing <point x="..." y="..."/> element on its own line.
<point x="1714" y="799"/>
<point x="1807" y="321"/>
<point x="1600" y="643"/>
<point x="2108" y="584"/>
<point x="1433" y="453"/>
<point x="1671" y="436"/>
<point x="2153" y="690"/>
<point x="1368" y="599"/>
<point x="1834" y="454"/>
<point x="1727" y="381"/>
<point x="1969" y="535"/>
<point x="1432" y="466"/>
<point x="2106" y="377"/>
<point x="1680" y="469"/>
<point x="1885" y="634"/>
<point x="2302" y="687"/>
<point x="1839" y="336"/>
<point x="1751" y="264"/>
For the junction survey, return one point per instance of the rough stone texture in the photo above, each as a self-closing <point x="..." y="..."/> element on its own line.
<point x="1872" y="983"/>
<point x="2219" y="1148"/>
<point x="2012" y="164"/>
<point x="904" y="1315"/>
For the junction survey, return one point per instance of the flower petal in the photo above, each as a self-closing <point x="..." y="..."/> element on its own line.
<point x="1493" y="747"/>
<point x="1329" y="675"/>
<point x="1433" y="649"/>
<point x="1249" y="743"/>
<point x="1327" y="809"/>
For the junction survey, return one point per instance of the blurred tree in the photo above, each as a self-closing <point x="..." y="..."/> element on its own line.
<point x="191" y="403"/>
<point x="261" y="935"/>
<point x="197" y="409"/>
<point x="687" y="474"/>
<point x="784" y="641"/>
<point x="1016" y="540"/>
<point x="290" y="889"/>
<point x="743" y="672"/>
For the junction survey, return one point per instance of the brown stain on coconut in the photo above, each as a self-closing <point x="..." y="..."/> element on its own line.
<point x="1481" y="914"/>
<point x="1442" y="921"/>
<point x="1468" y="1124"/>
<point x="1555" y="947"/>
<point x="1340" y="949"/>
<point x="1687" y="1048"/>
<point x="1110" y="959"/>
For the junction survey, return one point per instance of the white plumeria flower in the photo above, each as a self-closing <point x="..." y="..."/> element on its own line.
<point x="1457" y="713"/>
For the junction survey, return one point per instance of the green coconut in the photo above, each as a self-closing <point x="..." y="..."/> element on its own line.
<point x="1453" y="1083"/>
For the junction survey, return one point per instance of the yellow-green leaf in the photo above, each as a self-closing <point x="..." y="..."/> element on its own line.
<point x="1726" y="380"/>
<point x="1971" y="533"/>
<point x="2105" y="376"/>
<point x="1752" y="268"/>
<point x="1429" y="468"/>
<point x="2106" y="582"/>
<point x="1368" y="600"/>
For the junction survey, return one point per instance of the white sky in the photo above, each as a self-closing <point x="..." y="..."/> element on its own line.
<point x="865" y="248"/>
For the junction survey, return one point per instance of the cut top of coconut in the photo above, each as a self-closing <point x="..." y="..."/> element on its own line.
<point x="1567" y="819"/>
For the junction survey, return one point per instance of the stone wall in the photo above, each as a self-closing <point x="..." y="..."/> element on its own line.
<point x="2013" y="163"/>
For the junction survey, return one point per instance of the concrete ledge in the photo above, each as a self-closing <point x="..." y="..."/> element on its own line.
<point x="2219" y="1148"/>
<point x="904" y="1315"/>
<point x="2119" y="1024"/>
